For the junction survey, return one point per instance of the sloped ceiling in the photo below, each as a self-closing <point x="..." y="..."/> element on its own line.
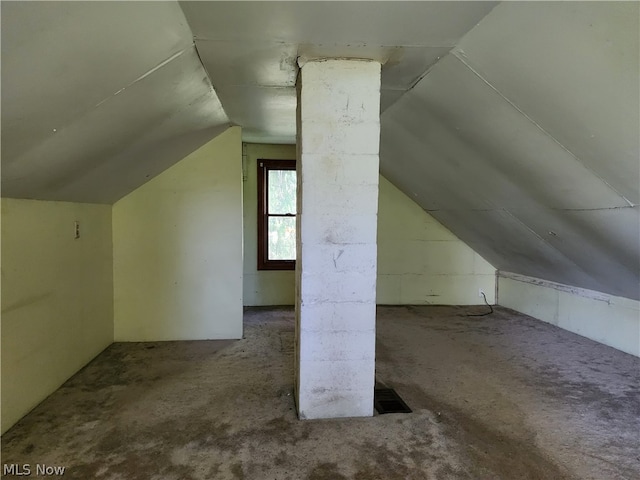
<point x="250" y="49"/>
<point x="98" y="97"/>
<point x="514" y="125"/>
<point x="524" y="142"/>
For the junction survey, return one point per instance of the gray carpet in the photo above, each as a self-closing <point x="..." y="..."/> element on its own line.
<point x="495" y="397"/>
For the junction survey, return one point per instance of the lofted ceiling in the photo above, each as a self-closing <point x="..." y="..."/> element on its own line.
<point x="250" y="49"/>
<point x="515" y="124"/>
<point x="524" y="141"/>
<point x="98" y="97"/>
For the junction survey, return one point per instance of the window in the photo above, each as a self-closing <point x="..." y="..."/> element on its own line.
<point x="277" y="214"/>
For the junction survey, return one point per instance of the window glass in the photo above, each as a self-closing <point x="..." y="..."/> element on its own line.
<point x="277" y="204"/>
<point x="282" y="192"/>
<point x="282" y="238"/>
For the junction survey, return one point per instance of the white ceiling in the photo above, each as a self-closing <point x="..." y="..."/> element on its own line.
<point x="90" y="93"/>
<point x="515" y="125"/>
<point x="250" y="49"/>
<point x="524" y="141"/>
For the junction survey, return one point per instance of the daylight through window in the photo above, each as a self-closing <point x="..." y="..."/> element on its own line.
<point x="276" y="214"/>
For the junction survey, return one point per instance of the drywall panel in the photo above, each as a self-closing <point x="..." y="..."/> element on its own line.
<point x="148" y="155"/>
<point x="488" y="172"/>
<point x="57" y="297"/>
<point x="178" y="249"/>
<point x="473" y="133"/>
<point x="500" y="235"/>
<point x="253" y="107"/>
<point x="96" y="158"/>
<point x="420" y="261"/>
<point x="342" y="23"/>
<point x="406" y="65"/>
<point x="262" y="287"/>
<point x="250" y="49"/>
<point x="607" y="319"/>
<point x="604" y="256"/>
<point x="98" y="97"/>
<point x="267" y="63"/>
<point x="573" y="68"/>
<point x="57" y="64"/>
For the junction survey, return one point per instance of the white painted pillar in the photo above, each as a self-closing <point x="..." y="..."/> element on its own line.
<point x="338" y="140"/>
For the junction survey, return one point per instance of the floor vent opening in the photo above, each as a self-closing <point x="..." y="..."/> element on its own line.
<point x="386" y="400"/>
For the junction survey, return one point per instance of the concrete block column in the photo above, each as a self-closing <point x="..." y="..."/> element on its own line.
<point x="338" y="140"/>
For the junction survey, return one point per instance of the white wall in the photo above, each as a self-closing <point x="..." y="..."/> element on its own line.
<point x="57" y="297"/>
<point x="177" y="244"/>
<point x="419" y="260"/>
<point x="262" y="287"/>
<point x="614" y="321"/>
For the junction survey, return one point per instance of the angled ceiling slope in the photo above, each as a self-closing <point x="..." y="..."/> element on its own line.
<point x="98" y="97"/>
<point x="524" y="141"/>
<point x="250" y="49"/>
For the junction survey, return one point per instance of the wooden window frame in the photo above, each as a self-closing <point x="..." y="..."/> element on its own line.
<point x="264" y="166"/>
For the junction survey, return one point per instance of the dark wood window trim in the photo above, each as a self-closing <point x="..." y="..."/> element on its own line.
<point x="264" y="166"/>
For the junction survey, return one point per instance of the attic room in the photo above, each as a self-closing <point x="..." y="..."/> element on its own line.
<point x="228" y="227"/>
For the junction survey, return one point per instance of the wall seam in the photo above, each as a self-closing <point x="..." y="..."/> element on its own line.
<point x="459" y="54"/>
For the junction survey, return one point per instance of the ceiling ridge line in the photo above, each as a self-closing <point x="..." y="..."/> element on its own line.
<point x="459" y="54"/>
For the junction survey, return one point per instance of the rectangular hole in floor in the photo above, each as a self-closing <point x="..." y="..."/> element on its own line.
<point x="386" y="400"/>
